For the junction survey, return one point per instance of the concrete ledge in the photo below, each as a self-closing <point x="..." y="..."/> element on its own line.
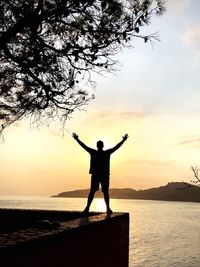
<point x="75" y="240"/>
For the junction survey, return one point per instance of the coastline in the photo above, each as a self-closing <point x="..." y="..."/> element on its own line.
<point x="174" y="191"/>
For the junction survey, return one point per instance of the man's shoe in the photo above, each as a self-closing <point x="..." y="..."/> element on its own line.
<point x="109" y="211"/>
<point x="86" y="210"/>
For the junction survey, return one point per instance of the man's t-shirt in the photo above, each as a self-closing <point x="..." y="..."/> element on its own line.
<point x="100" y="161"/>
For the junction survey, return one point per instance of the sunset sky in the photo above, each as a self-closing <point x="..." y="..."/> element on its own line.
<point x="154" y="97"/>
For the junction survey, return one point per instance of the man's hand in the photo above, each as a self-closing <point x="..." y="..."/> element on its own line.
<point x="75" y="136"/>
<point x="125" y="137"/>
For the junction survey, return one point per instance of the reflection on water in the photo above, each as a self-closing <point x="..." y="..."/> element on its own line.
<point x="99" y="204"/>
<point x="162" y="234"/>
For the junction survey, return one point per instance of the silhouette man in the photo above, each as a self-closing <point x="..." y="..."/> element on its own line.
<point x="99" y="169"/>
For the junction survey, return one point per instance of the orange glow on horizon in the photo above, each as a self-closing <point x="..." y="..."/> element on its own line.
<point x="45" y="164"/>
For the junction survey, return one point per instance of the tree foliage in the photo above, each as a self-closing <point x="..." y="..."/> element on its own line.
<point x="47" y="47"/>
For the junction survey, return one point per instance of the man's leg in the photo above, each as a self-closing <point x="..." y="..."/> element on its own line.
<point x="93" y="188"/>
<point x="107" y="201"/>
<point x="89" y="201"/>
<point x="105" y="188"/>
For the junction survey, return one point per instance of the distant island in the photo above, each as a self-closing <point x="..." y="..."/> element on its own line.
<point x="174" y="191"/>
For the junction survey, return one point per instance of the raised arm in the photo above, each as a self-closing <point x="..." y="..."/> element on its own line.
<point x="88" y="149"/>
<point x="124" y="138"/>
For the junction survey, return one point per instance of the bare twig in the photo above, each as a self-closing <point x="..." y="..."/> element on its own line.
<point x="192" y="183"/>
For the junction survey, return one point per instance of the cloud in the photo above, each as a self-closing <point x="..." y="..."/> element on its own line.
<point x="111" y="117"/>
<point x="191" y="141"/>
<point x="152" y="162"/>
<point x="191" y="36"/>
<point x="112" y="114"/>
<point x="178" y="5"/>
<point x="182" y="3"/>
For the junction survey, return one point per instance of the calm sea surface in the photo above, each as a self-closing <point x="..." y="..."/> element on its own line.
<point x="161" y="233"/>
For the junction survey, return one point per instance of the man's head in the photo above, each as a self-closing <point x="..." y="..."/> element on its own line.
<point x="100" y="145"/>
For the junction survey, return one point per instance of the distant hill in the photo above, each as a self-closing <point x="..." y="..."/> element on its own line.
<point x="174" y="191"/>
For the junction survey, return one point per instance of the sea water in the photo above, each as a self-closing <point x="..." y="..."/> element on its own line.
<point x="162" y="234"/>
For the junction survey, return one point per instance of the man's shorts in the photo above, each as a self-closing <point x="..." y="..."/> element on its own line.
<point x="104" y="180"/>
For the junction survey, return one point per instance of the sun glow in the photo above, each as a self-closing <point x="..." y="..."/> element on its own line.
<point x="99" y="205"/>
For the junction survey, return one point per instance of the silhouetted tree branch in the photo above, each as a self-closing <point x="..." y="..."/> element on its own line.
<point x="48" y="47"/>
<point x="195" y="181"/>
